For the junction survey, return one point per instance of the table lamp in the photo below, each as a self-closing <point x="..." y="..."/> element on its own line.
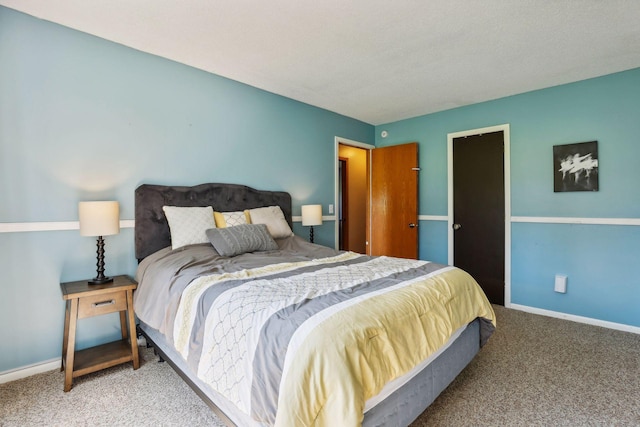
<point x="99" y="219"/>
<point x="311" y="215"/>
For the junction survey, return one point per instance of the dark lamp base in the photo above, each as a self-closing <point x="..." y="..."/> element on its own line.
<point x="100" y="280"/>
<point x="100" y="277"/>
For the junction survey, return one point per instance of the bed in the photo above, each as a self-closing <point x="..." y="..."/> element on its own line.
<point x="296" y="333"/>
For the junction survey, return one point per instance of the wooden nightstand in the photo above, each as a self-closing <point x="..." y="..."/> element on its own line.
<point x="84" y="300"/>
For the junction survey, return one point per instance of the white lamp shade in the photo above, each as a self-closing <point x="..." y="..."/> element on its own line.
<point x="312" y="215"/>
<point x="99" y="218"/>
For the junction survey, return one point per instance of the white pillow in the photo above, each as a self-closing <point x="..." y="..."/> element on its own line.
<point x="188" y="226"/>
<point x="273" y="218"/>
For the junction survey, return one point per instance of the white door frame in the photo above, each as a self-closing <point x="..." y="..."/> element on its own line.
<point x="507" y="198"/>
<point x="344" y="141"/>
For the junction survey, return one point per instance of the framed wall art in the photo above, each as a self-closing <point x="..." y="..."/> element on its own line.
<point x="575" y="167"/>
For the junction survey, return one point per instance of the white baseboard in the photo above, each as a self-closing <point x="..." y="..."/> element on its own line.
<point x="574" y="318"/>
<point x="40" y="367"/>
<point x="29" y="370"/>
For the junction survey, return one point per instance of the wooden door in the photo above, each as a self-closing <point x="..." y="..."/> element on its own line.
<point x="393" y="201"/>
<point x="479" y="210"/>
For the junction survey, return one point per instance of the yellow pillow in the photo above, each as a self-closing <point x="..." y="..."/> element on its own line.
<point x="229" y="219"/>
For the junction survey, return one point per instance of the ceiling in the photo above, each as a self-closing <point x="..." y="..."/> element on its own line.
<point x="378" y="61"/>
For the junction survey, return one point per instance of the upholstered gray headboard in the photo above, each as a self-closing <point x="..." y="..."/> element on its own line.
<point x="152" y="229"/>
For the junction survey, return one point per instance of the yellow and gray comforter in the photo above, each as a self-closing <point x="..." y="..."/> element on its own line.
<point x="300" y="337"/>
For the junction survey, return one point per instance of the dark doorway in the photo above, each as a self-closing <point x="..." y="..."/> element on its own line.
<point x="479" y="210"/>
<point x="352" y="198"/>
<point x="343" y="203"/>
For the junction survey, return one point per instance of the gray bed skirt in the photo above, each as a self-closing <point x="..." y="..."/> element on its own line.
<point x="399" y="409"/>
<point x="406" y="404"/>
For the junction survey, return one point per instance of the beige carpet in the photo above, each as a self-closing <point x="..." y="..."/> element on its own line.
<point x="535" y="371"/>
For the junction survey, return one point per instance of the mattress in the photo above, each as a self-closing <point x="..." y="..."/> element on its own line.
<point x="305" y="334"/>
<point x="398" y="405"/>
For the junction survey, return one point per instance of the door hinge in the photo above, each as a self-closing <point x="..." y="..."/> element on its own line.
<point x="415" y="169"/>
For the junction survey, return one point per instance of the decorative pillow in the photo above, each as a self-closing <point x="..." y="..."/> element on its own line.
<point x="231" y="219"/>
<point x="188" y="226"/>
<point x="274" y="219"/>
<point x="241" y="238"/>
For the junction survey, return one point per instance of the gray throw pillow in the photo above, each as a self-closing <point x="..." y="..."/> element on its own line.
<point x="240" y="239"/>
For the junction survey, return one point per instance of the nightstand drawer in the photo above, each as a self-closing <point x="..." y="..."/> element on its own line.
<point x="102" y="304"/>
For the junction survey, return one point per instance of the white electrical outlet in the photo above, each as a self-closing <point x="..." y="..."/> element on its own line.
<point x="330" y="209"/>
<point x="561" y="283"/>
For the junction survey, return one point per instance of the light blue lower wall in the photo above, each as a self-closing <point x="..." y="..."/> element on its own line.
<point x="430" y="238"/>
<point x="601" y="261"/>
<point x="32" y="264"/>
<point x="86" y="119"/>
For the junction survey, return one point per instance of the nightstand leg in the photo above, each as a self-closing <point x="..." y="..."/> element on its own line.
<point x="71" y="345"/>
<point x="65" y="336"/>
<point x="132" y="330"/>
<point x="123" y="324"/>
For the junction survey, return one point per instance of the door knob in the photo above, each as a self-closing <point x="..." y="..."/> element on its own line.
<point x="457" y="226"/>
<point x="412" y="225"/>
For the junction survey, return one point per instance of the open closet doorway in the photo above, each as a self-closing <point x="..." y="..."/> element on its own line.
<point x="376" y="194"/>
<point x="352" y="170"/>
